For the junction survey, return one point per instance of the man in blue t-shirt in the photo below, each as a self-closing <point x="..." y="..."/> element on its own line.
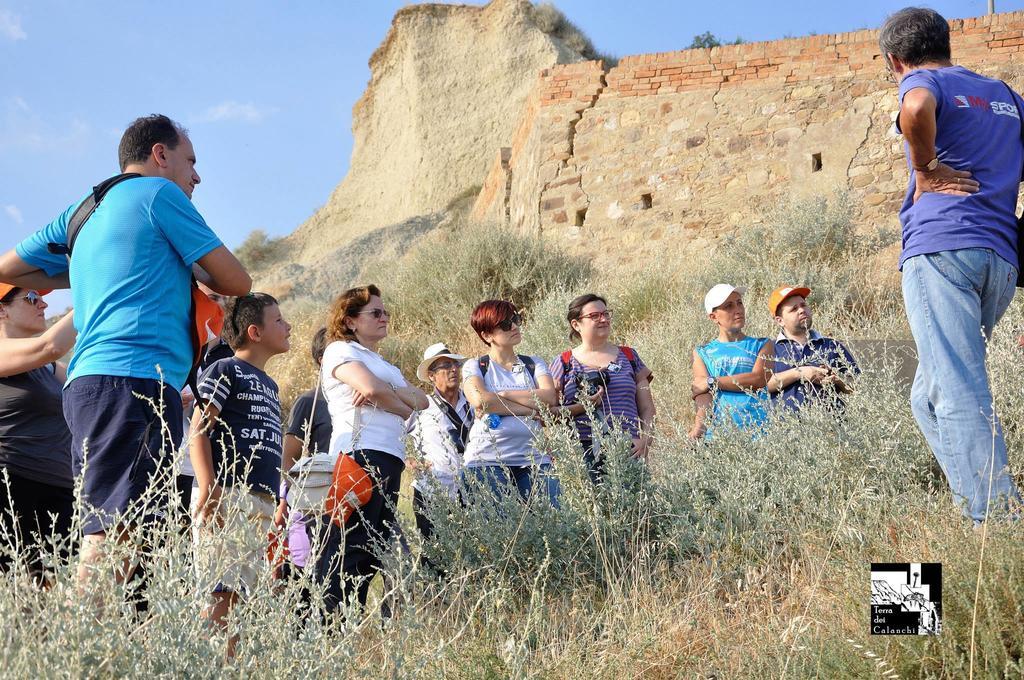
<point x="130" y="280"/>
<point x="959" y="259"/>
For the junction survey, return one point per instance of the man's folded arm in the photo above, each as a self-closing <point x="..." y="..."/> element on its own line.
<point x="220" y="270"/>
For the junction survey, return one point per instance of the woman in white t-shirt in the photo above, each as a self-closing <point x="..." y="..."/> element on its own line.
<point x="369" y="401"/>
<point x="506" y="391"/>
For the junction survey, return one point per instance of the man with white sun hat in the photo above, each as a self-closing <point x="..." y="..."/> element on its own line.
<point x="440" y="431"/>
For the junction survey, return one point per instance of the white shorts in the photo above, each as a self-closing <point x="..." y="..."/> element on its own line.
<point x="230" y="550"/>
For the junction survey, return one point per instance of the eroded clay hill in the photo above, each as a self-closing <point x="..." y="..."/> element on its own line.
<point x="447" y="87"/>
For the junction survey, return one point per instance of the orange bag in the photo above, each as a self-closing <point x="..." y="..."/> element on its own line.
<point x="277" y="549"/>
<point x="207" y="322"/>
<point x="351" y="488"/>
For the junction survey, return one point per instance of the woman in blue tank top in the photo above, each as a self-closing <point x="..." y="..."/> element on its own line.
<point x="730" y="372"/>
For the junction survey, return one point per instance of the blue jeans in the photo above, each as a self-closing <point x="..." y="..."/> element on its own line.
<point x="954" y="299"/>
<point x="501" y="479"/>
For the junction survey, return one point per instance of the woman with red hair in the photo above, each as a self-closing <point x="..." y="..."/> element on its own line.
<point x="507" y="391"/>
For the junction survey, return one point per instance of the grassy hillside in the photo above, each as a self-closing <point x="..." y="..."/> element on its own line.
<point x="730" y="559"/>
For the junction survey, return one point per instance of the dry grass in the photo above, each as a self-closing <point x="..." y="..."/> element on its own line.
<point x="734" y="559"/>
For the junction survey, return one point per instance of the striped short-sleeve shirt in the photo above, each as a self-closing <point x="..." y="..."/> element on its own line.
<point x="619" y="402"/>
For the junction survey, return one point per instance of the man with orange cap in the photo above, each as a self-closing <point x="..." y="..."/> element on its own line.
<point x="807" y="364"/>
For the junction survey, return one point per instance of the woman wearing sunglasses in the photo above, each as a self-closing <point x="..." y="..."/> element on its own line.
<point x="612" y="378"/>
<point x="35" y="444"/>
<point x="369" y="401"/>
<point x="506" y="390"/>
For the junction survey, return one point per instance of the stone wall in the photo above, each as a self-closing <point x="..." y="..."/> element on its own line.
<point x="682" y="146"/>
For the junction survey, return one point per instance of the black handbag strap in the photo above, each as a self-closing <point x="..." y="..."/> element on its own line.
<point x="85" y="210"/>
<point x="457" y="421"/>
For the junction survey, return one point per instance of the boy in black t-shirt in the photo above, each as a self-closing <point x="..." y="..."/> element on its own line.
<point x="236" y="454"/>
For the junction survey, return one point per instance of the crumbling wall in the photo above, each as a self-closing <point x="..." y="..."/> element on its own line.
<point x="682" y="146"/>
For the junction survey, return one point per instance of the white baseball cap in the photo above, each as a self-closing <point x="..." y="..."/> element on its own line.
<point x="432" y="354"/>
<point x="718" y="294"/>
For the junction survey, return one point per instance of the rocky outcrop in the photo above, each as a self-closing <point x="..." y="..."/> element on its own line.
<point x="446" y="87"/>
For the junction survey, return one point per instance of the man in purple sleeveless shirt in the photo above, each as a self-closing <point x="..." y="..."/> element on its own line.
<point x="959" y="258"/>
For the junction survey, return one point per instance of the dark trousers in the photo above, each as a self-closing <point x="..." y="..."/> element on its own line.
<point x="349" y="556"/>
<point x="183" y="484"/>
<point x="112" y="420"/>
<point x="423" y="523"/>
<point x="33" y="503"/>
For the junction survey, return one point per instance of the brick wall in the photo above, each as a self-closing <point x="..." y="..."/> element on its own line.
<point x="683" y="146"/>
<point x="492" y="202"/>
<point x="841" y="55"/>
<point x="572" y="83"/>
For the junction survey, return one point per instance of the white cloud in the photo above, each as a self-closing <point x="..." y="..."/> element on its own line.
<point x="10" y="26"/>
<point x="21" y="129"/>
<point x="14" y="213"/>
<point x="234" y="111"/>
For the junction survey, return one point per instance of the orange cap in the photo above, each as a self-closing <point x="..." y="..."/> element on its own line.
<point x="780" y="294"/>
<point x="6" y="288"/>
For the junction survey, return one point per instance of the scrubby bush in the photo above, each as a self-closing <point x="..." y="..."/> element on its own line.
<point x="434" y="289"/>
<point x="553" y="21"/>
<point x="258" y="250"/>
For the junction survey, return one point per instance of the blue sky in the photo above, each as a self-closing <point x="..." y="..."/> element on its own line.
<point x="267" y="87"/>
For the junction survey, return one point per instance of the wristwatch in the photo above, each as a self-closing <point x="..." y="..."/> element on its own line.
<point x="929" y="166"/>
<point x="712" y="383"/>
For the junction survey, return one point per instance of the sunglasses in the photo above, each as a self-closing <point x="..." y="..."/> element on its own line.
<point x="377" y="313"/>
<point x="32" y="297"/>
<point x="444" y="366"/>
<point x="596" y="316"/>
<point x="515" y="320"/>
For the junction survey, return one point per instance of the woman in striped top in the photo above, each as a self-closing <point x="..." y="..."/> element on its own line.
<point x="615" y="376"/>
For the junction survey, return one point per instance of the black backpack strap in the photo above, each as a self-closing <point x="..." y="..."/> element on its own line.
<point x="530" y="366"/>
<point x="193" y="374"/>
<point x="528" y="363"/>
<point x="85" y="210"/>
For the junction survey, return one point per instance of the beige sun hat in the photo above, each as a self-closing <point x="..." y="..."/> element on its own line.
<point x="432" y="354"/>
